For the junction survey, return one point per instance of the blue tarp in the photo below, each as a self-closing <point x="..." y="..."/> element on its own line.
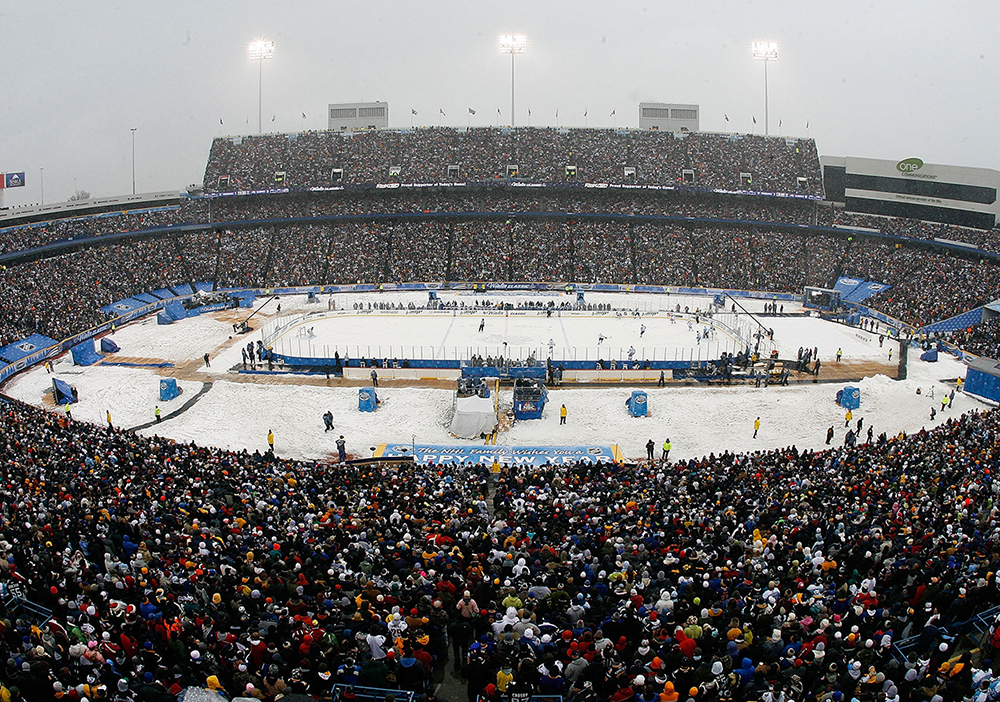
<point x="108" y="346"/>
<point x="164" y="318"/>
<point x="367" y="400"/>
<point x="856" y="290"/>
<point x="637" y="406"/>
<point x="168" y="389"/>
<point x="117" y="309"/>
<point x="931" y="356"/>
<point x="176" y="310"/>
<point x="164" y="293"/>
<point x="849" y="397"/>
<point x="182" y="289"/>
<point x="62" y="392"/>
<point x="246" y="297"/>
<point x="146" y="297"/>
<point x="84" y="354"/>
<point x="25" y="347"/>
<point x="959" y="321"/>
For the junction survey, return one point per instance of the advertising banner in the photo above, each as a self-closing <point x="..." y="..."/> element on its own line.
<point x="510" y="455"/>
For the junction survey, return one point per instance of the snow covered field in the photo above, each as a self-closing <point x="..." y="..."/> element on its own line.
<point x="698" y="420"/>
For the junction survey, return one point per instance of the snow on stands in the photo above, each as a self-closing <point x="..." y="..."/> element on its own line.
<point x="698" y="420"/>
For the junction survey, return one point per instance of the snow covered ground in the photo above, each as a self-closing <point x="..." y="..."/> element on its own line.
<point x="698" y="420"/>
<point x="147" y="339"/>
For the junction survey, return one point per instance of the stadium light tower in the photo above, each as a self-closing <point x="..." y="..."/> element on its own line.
<point x="512" y="44"/>
<point x="258" y="50"/>
<point x="133" y="159"/>
<point x="765" y="51"/>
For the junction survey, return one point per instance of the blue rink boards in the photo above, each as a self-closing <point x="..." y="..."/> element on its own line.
<point x="511" y="455"/>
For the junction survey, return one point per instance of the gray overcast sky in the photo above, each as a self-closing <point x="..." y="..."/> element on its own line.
<point x="885" y="79"/>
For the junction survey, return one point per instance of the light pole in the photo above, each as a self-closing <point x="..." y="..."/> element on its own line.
<point x="512" y="44"/>
<point x="258" y="50"/>
<point x="133" y="159"/>
<point x="765" y="51"/>
<point x="41" y="180"/>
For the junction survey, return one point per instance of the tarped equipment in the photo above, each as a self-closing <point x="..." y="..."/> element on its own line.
<point x="849" y="397"/>
<point x="367" y="400"/>
<point x="62" y="392"/>
<point x="175" y="310"/>
<point x="637" y="406"/>
<point x="168" y="389"/>
<point x="473" y="416"/>
<point x="84" y="354"/>
<point x="108" y="346"/>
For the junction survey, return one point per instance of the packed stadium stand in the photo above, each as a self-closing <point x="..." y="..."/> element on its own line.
<point x="136" y="567"/>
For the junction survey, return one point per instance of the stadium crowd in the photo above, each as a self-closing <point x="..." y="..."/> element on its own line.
<point x="697" y="160"/>
<point x="982" y="339"/>
<point x="847" y="574"/>
<point x="61" y="296"/>
<point x="27" y="236"/>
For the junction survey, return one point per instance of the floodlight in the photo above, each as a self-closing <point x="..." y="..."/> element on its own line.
<point x="765" y="51"/>
<point x="260" y="49"/>
<point x="512" y="44"/>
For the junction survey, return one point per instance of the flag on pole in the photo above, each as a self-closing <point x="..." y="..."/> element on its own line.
<point x="529" y="112"/>
<point x="441" y="111"/>
<point x="471" y="111"/>
<point x="412" y="111"/>
<point x="220" y="121"/>
<point x="272" y="117"/>
<point x="612" y="113"/>
<point x="807" y="124"/>
<point x="303" y="115"/>
<point x="779" y="124"/>
<point x="754" y="120"/>
<point x="726" y="116"/>
<point x="584" y="113"/>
